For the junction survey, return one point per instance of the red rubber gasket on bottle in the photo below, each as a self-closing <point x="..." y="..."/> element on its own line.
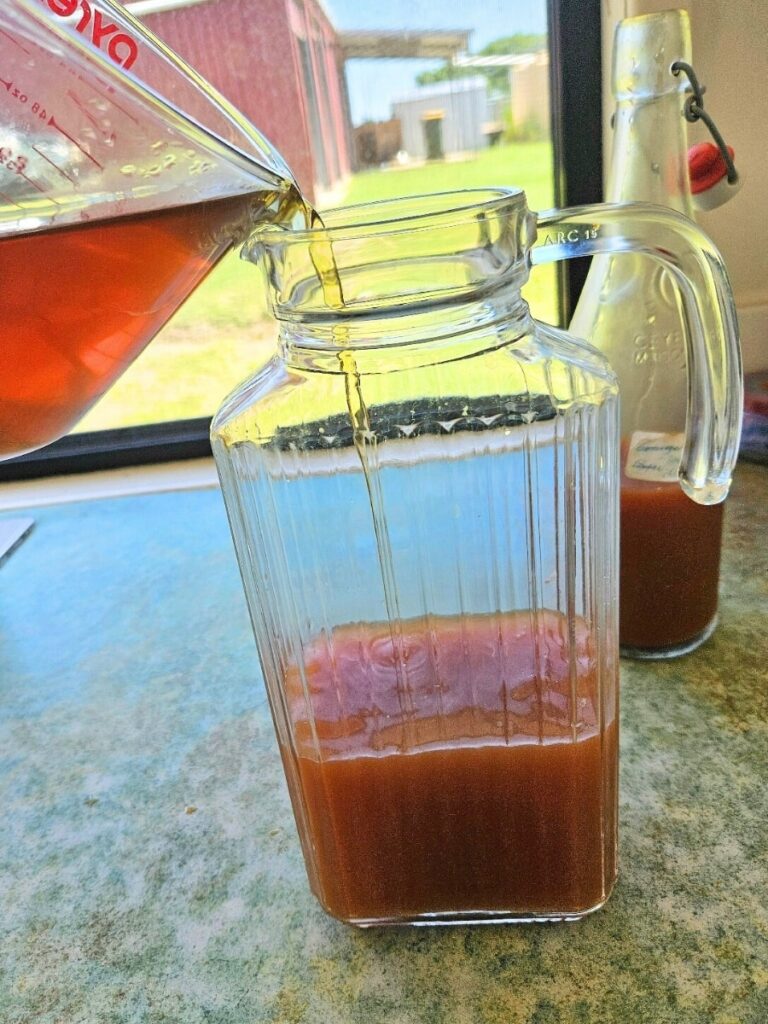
<point x="706" y="166"/>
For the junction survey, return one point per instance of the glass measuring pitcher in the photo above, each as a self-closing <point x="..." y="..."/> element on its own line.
<point x="147" y="176"/>
<point x="422" y="487"/>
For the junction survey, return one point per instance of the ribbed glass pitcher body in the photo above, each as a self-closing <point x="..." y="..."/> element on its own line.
<point x="422" y="491"/>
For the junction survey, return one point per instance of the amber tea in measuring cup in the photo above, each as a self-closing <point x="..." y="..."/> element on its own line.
<point x="115" y="202"/>
<point x="422" y="487"/>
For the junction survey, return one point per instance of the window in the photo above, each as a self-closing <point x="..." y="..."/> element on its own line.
<point x="310" y="94"/>
<point x="365" y="101"/>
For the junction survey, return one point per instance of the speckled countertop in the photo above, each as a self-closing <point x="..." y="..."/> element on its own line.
<point x="149" y="869"/>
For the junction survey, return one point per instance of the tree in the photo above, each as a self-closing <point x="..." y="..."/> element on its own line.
<point x="498" y="79"/>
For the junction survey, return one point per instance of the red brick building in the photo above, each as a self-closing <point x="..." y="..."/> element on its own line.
<point x="279" y="62"/>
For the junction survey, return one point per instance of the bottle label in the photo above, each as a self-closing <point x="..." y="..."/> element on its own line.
<point x="654" y="456"/>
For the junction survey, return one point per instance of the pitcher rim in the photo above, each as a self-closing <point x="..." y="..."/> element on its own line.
<point x="457" y="204"/>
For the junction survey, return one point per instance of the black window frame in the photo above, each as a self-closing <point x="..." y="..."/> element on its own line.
<point x="575" y="47"/>
<point x="576" y="88"/>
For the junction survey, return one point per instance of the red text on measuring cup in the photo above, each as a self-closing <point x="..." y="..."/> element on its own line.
<point x="119" y="46"/>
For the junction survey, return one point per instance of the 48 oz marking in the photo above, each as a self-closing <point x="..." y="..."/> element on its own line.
<point x="37" y="108"/>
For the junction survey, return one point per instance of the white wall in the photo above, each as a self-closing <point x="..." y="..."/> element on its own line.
<point x="530" y="91"/>
<point x="464" y="112"/>
<point x="730" y="56"/>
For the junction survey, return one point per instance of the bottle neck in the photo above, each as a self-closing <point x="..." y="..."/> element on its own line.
<point x="650" y="159"/>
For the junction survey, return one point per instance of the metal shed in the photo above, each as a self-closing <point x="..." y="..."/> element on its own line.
<point x="445" y="118"/>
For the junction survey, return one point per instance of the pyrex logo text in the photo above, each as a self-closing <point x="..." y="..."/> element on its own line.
<point x="119" y="46"/>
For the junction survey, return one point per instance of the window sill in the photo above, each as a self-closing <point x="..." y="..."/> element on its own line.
<point x="189" y="474"/>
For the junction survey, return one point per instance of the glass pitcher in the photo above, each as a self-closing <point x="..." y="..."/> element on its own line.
<point x="422" y="486"/>
<point x="124" y="178"/>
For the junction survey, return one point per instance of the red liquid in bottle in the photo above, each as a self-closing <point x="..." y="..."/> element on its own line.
<point x="670" y="564"/>
<point x="80" y="302"/>
<point x="468" y="781"/>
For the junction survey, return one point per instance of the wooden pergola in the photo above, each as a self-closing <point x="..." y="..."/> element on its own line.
<point x="434" y="44"/>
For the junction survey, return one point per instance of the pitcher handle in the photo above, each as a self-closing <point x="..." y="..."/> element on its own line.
<point x="715" y="384"/>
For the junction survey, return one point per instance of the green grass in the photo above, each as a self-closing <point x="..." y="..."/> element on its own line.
<point x="528" y="165"/>
<point x="223" y="332"/>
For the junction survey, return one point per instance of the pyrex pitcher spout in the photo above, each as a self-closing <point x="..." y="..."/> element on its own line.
<point x="140" y="177"/>
<point x="715" y="393"/>
<point x="136" y="128"/>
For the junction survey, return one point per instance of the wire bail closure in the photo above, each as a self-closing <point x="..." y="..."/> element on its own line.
<point x="694" y="111"/>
